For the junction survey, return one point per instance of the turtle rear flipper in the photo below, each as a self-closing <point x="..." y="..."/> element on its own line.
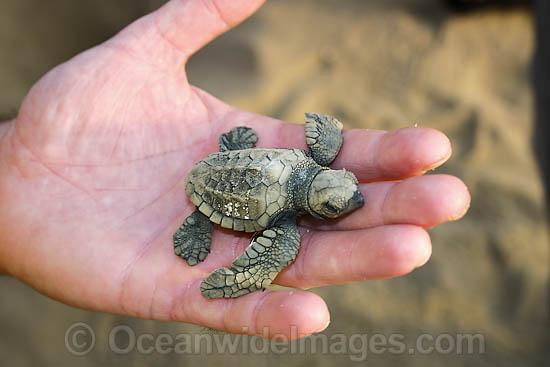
<point x="257" y="267"/>
<point x="323" y="137"/>
<point x="239" y="137"/>
<point x="192" y="239"/>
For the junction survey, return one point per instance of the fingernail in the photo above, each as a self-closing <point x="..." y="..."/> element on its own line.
<point x="440" y="161"/>
<point x="324" y="327"/>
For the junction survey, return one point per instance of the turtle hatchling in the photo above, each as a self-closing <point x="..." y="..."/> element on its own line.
<point x="263" y="191"/>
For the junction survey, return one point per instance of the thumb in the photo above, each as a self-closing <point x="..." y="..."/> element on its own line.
<point x="181" y="27"/>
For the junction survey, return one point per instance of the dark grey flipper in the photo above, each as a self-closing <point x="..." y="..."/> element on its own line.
<point x="192" y="239"/>
<point x="239" y="137"/>
<point x="323" y="137"/>
<point x="257" y="267"/>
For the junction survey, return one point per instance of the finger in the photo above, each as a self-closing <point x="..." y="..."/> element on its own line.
<point x="334" y="257"/>
<point x="372" y="155"/>
<point x="282" y="314"/>
<point x="424" y="201"/>
<point x="330" y="257"/>
<point x="184" y="26"/>
<point x="325" y="258"/>
<point x="402" y="153"/>
<point x="160" y="285"/>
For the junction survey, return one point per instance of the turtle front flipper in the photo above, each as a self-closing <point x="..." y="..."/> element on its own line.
<point x="323" y="137"/>
<point x="239" y="137"/>
<point x="192" y="239"/>
<point x="257" y="267"/>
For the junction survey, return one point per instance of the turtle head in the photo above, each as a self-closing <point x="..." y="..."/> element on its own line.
<point x="334" y="193"/>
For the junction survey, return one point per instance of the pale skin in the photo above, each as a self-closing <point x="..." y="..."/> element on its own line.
<point x="92" y="186"/>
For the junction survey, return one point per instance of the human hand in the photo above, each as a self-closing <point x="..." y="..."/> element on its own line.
<point x="92" y="186"/>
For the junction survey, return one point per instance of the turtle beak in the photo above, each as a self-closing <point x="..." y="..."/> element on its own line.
<point x="356" y="201"/>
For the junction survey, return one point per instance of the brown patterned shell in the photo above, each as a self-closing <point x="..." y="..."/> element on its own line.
<point x="243" y="189"/>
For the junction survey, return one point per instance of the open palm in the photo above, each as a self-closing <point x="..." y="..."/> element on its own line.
<point x="92" y="185"/>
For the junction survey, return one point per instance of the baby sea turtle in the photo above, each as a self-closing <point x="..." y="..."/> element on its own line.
<point x="263" y="191"/>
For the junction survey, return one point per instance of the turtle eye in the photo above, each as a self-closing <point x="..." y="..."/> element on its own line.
<point x="330" y="208"/>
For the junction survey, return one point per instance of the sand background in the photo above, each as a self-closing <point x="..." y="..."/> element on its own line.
<point x="373" y="64"/>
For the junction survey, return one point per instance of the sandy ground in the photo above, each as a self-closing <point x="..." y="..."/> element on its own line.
<point x="373" y="65"/>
